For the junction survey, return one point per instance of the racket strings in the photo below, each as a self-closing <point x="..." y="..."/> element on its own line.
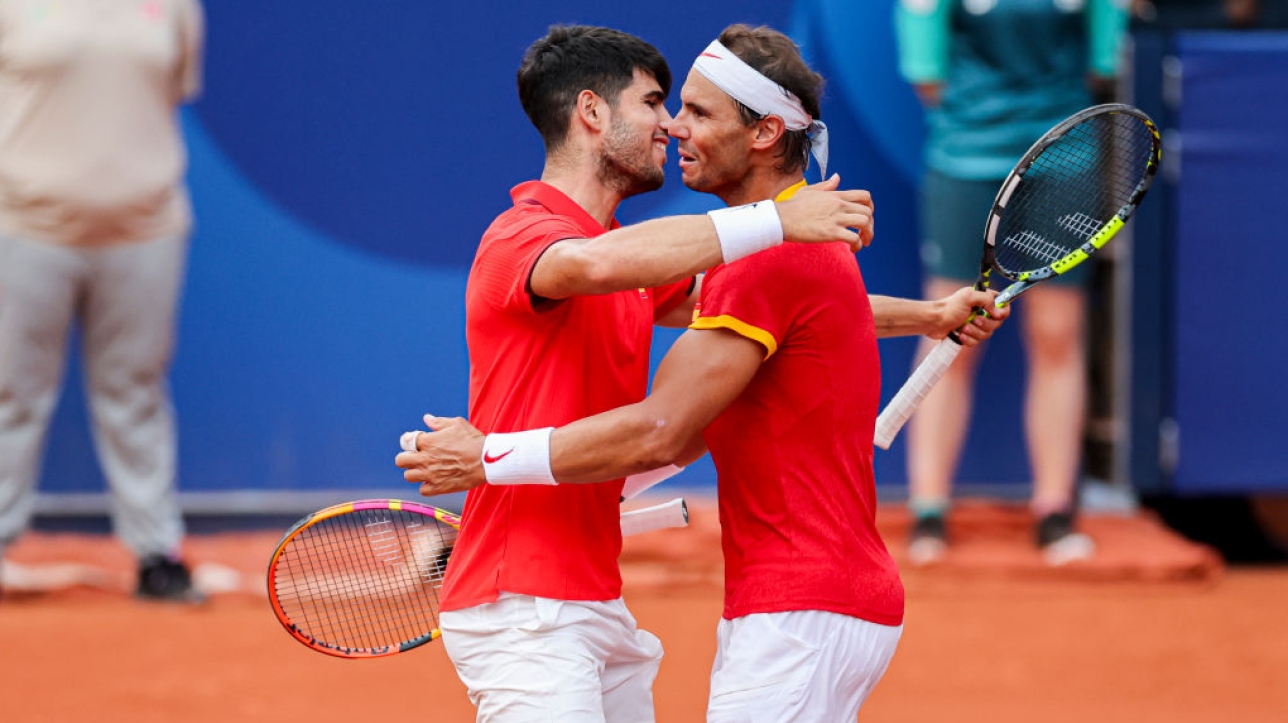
<point x="1033" y="246"/>
<point x="366" y="580"/>
<point x="363" y="619"/>
<point x="1076" y="185"/>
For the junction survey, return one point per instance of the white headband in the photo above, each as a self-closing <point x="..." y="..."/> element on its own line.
<point x="748" y="86"/>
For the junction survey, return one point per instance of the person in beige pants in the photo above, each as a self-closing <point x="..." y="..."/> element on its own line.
<point x="94" y="228"/>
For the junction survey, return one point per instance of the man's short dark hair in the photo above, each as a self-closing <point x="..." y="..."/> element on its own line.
<point x="573" y="58"/>
<point x="778" y="58"/>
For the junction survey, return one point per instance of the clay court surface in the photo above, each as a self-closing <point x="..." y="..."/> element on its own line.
<point x="1156" y="629"/>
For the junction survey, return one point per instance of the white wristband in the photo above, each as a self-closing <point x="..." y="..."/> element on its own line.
<point x="518" y="458"/>
<point x="744" y="230"/>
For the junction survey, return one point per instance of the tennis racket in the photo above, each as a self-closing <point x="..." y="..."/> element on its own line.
<point x="1066" y="198"/>
<point x="361" y="579"/>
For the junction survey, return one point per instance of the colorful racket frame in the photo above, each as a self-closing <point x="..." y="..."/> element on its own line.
<point x="348" y="508"/>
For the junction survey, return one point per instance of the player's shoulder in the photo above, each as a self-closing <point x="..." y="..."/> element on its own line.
<point x="522" y="213"/>
<point x="794" y="261"/>
<point x="525" y="221"/>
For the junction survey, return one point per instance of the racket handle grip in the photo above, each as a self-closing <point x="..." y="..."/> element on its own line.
<point x="668" y="514"/>
<point x="909" y="397"/>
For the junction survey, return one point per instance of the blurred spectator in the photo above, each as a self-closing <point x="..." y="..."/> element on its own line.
<point x="94" y="227"/>
<point x="994" y="75"/>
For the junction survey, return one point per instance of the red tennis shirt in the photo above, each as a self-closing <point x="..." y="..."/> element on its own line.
<point x="546" y="365"/>
<point x="794" y="452"/>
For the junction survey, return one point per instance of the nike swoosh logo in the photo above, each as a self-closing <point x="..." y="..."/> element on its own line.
<point x="489" y="459"/>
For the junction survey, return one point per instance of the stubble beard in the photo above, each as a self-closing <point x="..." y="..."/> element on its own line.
<point x="709" y="179"/>
<point x="626" y="165"/>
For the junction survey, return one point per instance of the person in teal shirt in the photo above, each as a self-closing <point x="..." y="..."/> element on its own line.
<point x="994" y="75"/>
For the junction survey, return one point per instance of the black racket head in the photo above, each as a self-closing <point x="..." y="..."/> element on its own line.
<point x="1071" y="192"/>
<point x="361" y="579"/>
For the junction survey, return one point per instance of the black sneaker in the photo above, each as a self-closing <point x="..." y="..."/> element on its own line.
<point x="1060" y="542"/>
<point x="161" y="578"/>
<point x="929" y="540"/>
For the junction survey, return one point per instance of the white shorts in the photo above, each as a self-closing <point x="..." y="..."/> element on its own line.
<point x="534" y="659"/>
<point x="804" y="666"/>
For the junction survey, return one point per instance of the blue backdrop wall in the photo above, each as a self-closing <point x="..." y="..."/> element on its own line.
<point x="345" y="158"/>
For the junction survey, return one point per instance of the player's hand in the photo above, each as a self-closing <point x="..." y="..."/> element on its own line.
<point x="447" y="460"/>
<point x="957" y="308"/>
<point x="821" y="213"/>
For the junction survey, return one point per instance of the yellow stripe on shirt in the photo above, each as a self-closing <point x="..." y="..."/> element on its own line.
<point x="735" y="324"/>
<point x="790" y="191"/>
<point x="739" y="327"/>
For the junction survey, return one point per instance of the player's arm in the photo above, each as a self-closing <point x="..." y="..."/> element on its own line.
<point x="923" y="37"/>
<point x="936" y="317"/>
<point x="703" y="372"/>
<point x="664" y="250"/>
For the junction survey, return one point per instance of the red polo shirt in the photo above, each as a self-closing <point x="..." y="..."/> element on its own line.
<point x="794" y="452"/>
<point x="540" y="366"/>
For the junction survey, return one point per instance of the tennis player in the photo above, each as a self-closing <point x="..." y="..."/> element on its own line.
<point x="560" y="306"/>
<point x="780" y="368"/>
